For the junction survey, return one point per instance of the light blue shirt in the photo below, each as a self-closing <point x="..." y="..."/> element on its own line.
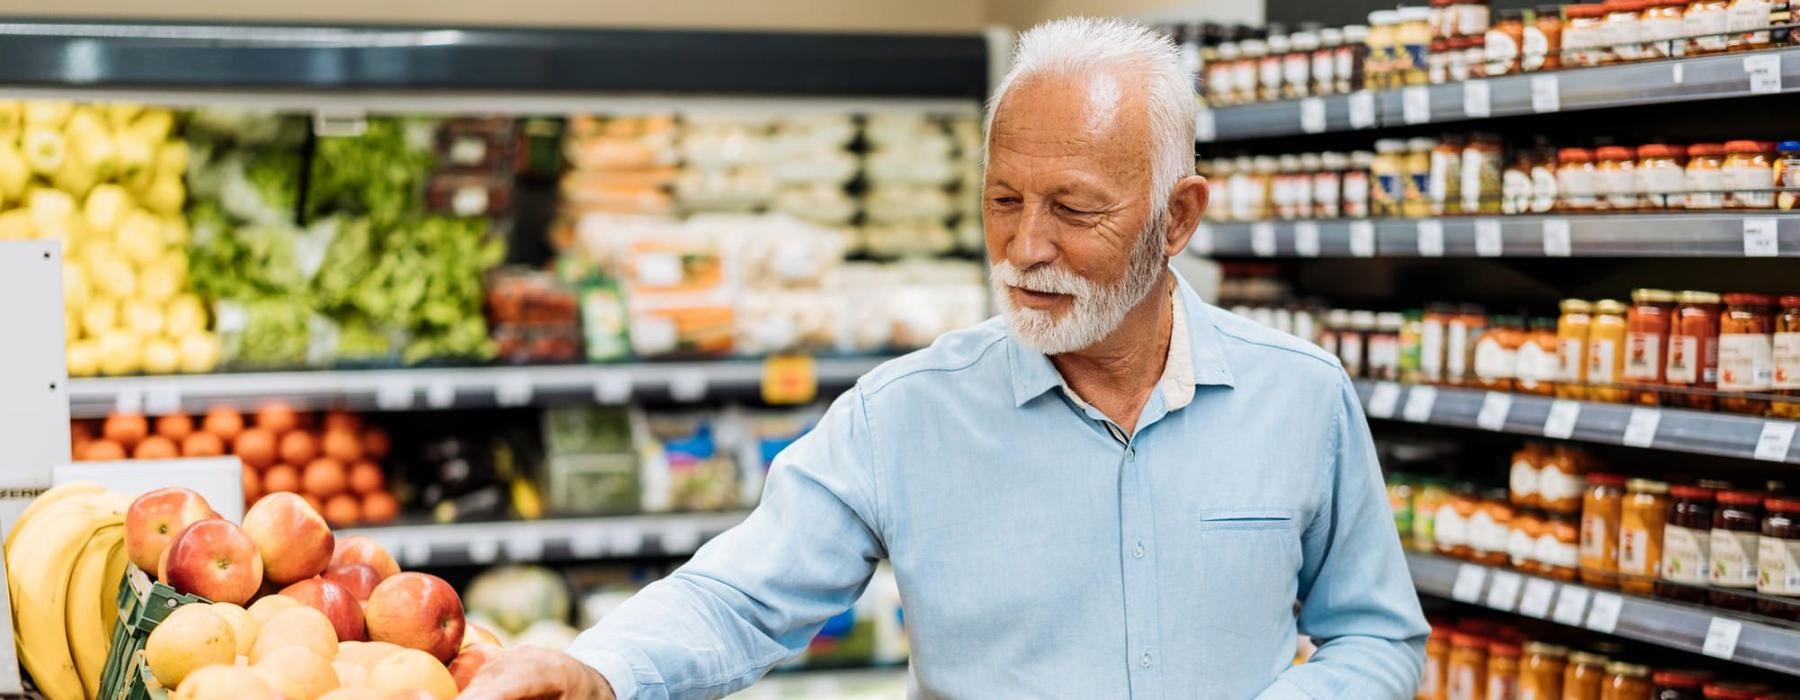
<point x="1040" y="555"/>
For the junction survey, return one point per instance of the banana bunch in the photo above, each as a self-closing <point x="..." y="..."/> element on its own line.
<point x="65" y="557"/>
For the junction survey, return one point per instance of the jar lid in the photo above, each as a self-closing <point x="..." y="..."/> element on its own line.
<point x="1421" y="144"/>
<point x="1613" y="153"/>
<point x="1502" y="647"/>
<point x="1584" y="11"/>
<point x="1733" y="690"/>
<point x="1543" y="323"/>
<point x="1705" y="149"/>
<point x="1624" y="5"/>
<point x="1694" y="297"/>
<point x="1506" y="321"/>
<point x="1748" y="299"/>
<point x="1662" y="150"/>
<point x="1646" y="486"/>
<point x="1715" y="484"/>
<point x="1652" y="296"/>
<point x="1785" y="504"/>
<point x="1690" y="492"/>
<point x="1606" y="479"/>
<point x="1305" y="41"/>
<point x="1331" y="36"/>
<point x="1685" y="678"/>
<point x="1587" y="658"/>
<point x="1547" y="649"/>
<point x="1576" y="306"/>
<point x="1745" y="146"/>
<point x="1510" y="15"/>
<point x="1415" y="14"/>
<point x="1788" y="146"/>
<point x="1629" y="670"/>
<point x="1278" y="43"/>
<point x="1609" y="306"/>
<point x="1468" y="639"/>
<point x="1790" y="300"/>
<point x="1741" y="498"/>
<point x="1442" y="631"/>
<point x="1355" y="33"/>
<point x="1578" y="155"/>
<point x="1384" y="17"/>
<point x="1390" y="146"/>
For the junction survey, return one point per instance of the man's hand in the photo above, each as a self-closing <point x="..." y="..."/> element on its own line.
<point x="530" y="673"/>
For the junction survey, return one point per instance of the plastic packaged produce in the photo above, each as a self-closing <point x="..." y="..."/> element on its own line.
<point x="590" y="466"/>
<point x="686" y="465"/>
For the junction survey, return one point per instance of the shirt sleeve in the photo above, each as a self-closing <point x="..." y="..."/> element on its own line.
<point x="1357" y="596"/>
<point x="757" y="594"/>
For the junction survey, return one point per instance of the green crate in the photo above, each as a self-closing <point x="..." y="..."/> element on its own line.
<point x="143" y="604"/>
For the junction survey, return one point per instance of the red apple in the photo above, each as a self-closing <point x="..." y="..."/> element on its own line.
<point x="417" y="611"/>
<point x="359" y="579"/>
<point x="154" y="519"/>
<point x="469" y="661"/>
<point x="213" y="559"/>
<point x="339" y="606"/>
<point x="293" y="539"/>
<point x="357" y="549"/>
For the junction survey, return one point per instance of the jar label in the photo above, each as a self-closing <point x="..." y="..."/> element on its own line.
<point x="1434" y="672"/>
<point x="1536" y="366"/>
<point x="1622" y="35"/>
<point x="1452" y="529"/>
<point x="1493" y="361"/>
<point x="1523" y="479"/>
<point x="1634" y="552"/>
<point x="1555" y="552"/>
<point x="1557" y="485"/>
<point x="1708" y="27"/>
<point x="1705" y="188"/>
<point x="1456" y="350"/>
<point x="1643" y="356"/>
<point x="1661" y="185"/>
<point x="1431" y="350"/>
<point x="1748" y="186"/>
<point x="1325" y="195"/>
<point x="1345" y="63"/>
<point x="1270" y="72"/>
<point x="1733" y="558"/>
<point x="1619" y="186"/>
<point x="1577" y="186"/>
<point x="1350" y="351"/>
<point x="1244" y="75"/>
<point x="1521" y="547"/>
<point x="1499" y="53"/>
<point x="1747" y="15"/>
<point x="1356" y="195"/>
<point x="1515" y="192"/>
<point x="1534" y="48"/>
<point x="1570" y="351"/>
<point x="1686" y="554"/>
<point x="1684" y="360"/>
<point x="1502" y="685"/>
<point x="1745" y="362"/>
<point x="1785" y="358"/>
<point x="1665" y="36"/>
<point x="1384" y="357"/>
<point x="1322" y="65"/>
<point x="1595" y="531"/>
<point x="1601" y="369"/>
<point x="1296" y="70"/>
<point x="1543" y="190"/>
<point x="1778" y="562"/>
<point x="1463" y="684"/>
<point x="1446" y="169"/>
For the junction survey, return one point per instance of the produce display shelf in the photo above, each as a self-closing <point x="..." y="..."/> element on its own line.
<point x="1669" y="235"/>
<point x="1716" y="633"/>
<point x="441" y="388"/>
<point x="1659" y="428"/>
<point x="549" y="540"/>
<point x="1652" y="82"/>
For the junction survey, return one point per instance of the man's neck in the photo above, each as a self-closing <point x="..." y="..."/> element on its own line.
<point x="1117" y="374"/>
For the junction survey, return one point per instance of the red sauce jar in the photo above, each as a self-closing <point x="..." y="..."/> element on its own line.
<point x="1736" y="535"/>
<point x="1692" y="371"/>
<point x="1646" y="335"/>
<point x="1687" y="545"/>
<point x="1746" y="363"/>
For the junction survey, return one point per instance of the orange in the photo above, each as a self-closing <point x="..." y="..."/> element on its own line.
<point x="253" y="488"/>
<point x="281" y="478"/>
<point x="375" y="443"/>
<point x="299" y="448"/>
<point x="202" y="444"/>
<point x="343" y="420"/>
<point x="277" y="417"/>
<point x="324" y="478"/>
<point x="379" y="507"/>
<point x="342" y="445"/>
<point x="125" y="428"/>
<point x="256" y="446"/>
<point x="175" y="426"/>
<point x="342" y="510"/>
<point x="366" y="478"/>
<point x="155" y="447"/>
<point x="104" y="449"/>
<point x="223" y="421"/>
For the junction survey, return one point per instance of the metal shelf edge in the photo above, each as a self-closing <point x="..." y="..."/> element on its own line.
<point x="1721" y="235"/>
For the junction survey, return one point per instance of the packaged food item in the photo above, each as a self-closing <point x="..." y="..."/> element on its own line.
<point x="1746" y="365"/>
<point x="1647" y="333"/>
<point x="1521" y="542"/>
<point x="1389" y="173"/>
<point x="1324" y="61"/>
<point x="1687" y="545"/>
<point x="1268" y="68"/>
<point x="1444" y="61"/>
<point x="1626" y="681"/>
<point x="1432" y="328"/>
<point x="1584" y="676"/>
<point x="1296" y="66"/>
<point x="1417" y="164"/>
<point x="1623" y="31"/>
<point x="1541" y="46"/>
<point x="1436" y="680"/>
<point x="1496" y="353"/>
<point x="686" y="464"/>
<point x="1600" y="519"/>
<point x="1503" y="44"/>
<point x="1615" y="178"/>
<point x="1383" y="350"/>
<point x="1680" y="684"/>
<point x="1538" y="367"/>
<point x="1503" y="669"/>
<point x="1572" y="330"/>
<point x="1350" y="63"/>
<point x="1705" y="176"/>
<point x="1641" y="518"/>
<point x="1662" y="28"/>
<point x="1606" y="352"/>
<point x="1413" y="39"/>
<point x="1748" y="174"/>
<point x="1561" y="482"/>
<point x="1459" y="336"/>
<point x="1489" y="528"/>
<point x="1545" y="192"/>
<point x="1787" y="175"/>
<point x="1400" y="500"/>
<point x="1327" y="185"/>
<point x="1584" y="36"/>
<point x="1474" y="52"/>
<point x="1542" y="674"/>
<point x="1358" y="188"/>
<point x="469" y="194"/>
<point x="1522" y="477"/>
<point x="1444" y="181"/>
<point x="1481" y="187"/>
<point x="1778" y="559"/>
<point x="1661" y="178"/>
<point x="1221" y="76"/>
<point x="590" y="465"/>
<point x="1785" y="358"/>
<point x="533" y="317"/>
<point x="1733" y="690"/>
<point x="1575" y="175"/>
<point x="1467" y="678"/>
<point x="1429" y="496"/>
<point x="1472" y="17"/>
<point x="481" y="144"/>
<point x="1736" y="529"/>
<point x="1707" y="25"/>
<point x="1451" y="526"/>
<point x="1748" y="22"/>
<point x="1559" y="549"/>
<point x="1353" y="347"/>
<point x="1693" y="370"/>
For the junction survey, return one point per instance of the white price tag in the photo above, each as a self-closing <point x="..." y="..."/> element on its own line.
<point x="1557" y="243"/>
<point x="162" y="400"/>
<point x="587" y="544"/>
<point x="1306" y="239"/>
<point x="1678" y="75"/>
<point x="416" y="552"/>
<point x="1494" y="408"/>
<point x="1205" y="129"/>
<point x="524" y="548"/>
<point x="1383" y="400"/>
<point x="440" y="394"/>
<point x="1362" y="239"/>
<point x="1765" y="73"/>
<point x="1476" y="104"/>
<point x="513" y="390"/>
<point x="1487" y="238"/>
<point x="1469" y="578"/>
<point x="1415" y="104"/>
<point x="625" y="540"/>
<point x="1418" y="404"/>
<point x="1777" y="437"/>
<point x="1262" y="239"/>
<point x="1603" y="617"/>
<point x="1560" y="424"/>
<point x="612" y="387"/>
<point x="484" y="551"/>
<point x="1759" y="238"/>
<point x="1431" y="238"/>
<point x="1571" y="605"/>
<point x="1546" y="95"/>
<point x="1312" y="115"/>
<point x="1201" y="243"/>
<point x="393" y="393"/>
<point x="1640" y="428"/>
<point x="688" y="386"/>
<point x="1503" y="593"/>
<point x="1721" y="638"/>
<point x="1362" y="110"/>
<point x="1536" y="601"/>
<point x="129" y="401"/>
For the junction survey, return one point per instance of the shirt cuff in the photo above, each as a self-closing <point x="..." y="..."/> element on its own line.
<point x="613" y="667"/>
<point x="1284" y="689"/>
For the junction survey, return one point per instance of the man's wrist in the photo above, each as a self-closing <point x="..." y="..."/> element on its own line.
<point x="615" y="672"/>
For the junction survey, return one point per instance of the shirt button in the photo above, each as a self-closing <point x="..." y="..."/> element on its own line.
<point x="1138" y="551"/>
<point x="1144" y="660"/>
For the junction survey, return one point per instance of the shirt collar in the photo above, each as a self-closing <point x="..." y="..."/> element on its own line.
<point x="1195" y="356"/>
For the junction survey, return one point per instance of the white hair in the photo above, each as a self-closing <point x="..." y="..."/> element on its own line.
<point x="1090" y="46"/>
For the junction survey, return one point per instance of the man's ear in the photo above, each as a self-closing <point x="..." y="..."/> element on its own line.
<point x="1187" y="203"/>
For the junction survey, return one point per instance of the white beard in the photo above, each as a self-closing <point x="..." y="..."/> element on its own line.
<point x="1096" y="311"/>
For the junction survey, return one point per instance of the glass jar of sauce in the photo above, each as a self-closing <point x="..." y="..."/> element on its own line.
<point x="1749" y="22"/>
<point x="1572" y="348"/>
<point x="1584" y="36"/>
<point x="1705" y="175"/>
<point x="1749" y="174"/>
<point x="1624" y="30"/>
<point x="1468" y="667"/>
<point x="1496" y="354"/>
<point x="1626" y="681"/>
<point x="1662" y="181"/>
<point x="1541" y="46"/>
<point x="1452" y="524"/>
<point x="1680" y="683"/>
<point x="1736" y="529"/>
<point x="1504" y="659"/>
<point x="1522" y="477"/>
<point x="1706" y="26"/>
<point x="1349" y="68"/>
<point x="1606" y="352"/>
<point x="1687" y="545"/>
<point x="1785" y="358"/>
<point x="1615" y="177"/>
<point x="1560" y="482"/>
<point x="1538" y="363"/>
<point x="1733" y="690"/>
<point x="1559" y="548"/>
<point x="1434" y="685"/>
<point x="1646" y="334"/>
<point x="1600" y="529"/>
<point x="1575" y="174"/>
<point x="1541" y="672"/>
<point x="1501" y="54"/>
<point x="1383" y="353"/>
<point x="1641" y="518"/>
<point x="1459" y="336"/>
<point x="1521" y="541"/>
<point x="1746" y="363"/>
<point x="1778" y="560"/>
<point x="1489" y="528"/>
<point x="1693" y="369"/>
<point x="1662" y="28"/>
<point x="1584" y="676"/>
<point x="1431" y="341"/>
<point x="1429" y="496"/>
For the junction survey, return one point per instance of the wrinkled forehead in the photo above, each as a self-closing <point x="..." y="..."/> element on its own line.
<point x="1097" y="118"/>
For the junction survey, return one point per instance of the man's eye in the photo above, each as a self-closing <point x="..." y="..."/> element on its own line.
<point x="1004" y="201"/>
<point x="1071" y="211"/>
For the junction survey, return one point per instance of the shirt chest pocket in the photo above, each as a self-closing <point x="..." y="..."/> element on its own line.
<point x="1249" y="563"/>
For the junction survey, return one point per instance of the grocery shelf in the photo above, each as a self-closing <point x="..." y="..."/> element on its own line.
<point x="559" y="539"/>
<point x="1652" y="82"/>
<point x="1718" y="235"/>
<point x="439" y="388"/>
<point x="176" y="55"/>
<point x="1677" y="430"/>
<point x="1694" y="629"/>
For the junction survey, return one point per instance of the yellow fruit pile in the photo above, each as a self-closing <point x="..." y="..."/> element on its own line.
<point x="65" y="557"/>
<point x="106" y="180"/>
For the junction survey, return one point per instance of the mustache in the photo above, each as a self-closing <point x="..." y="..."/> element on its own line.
<point x="1047" y="279"/>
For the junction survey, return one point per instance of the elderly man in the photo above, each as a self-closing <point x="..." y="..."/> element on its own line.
<point x="1115" y="491"/>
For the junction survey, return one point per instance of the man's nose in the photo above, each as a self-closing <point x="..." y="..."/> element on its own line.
<point x="1035" y="242"/>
